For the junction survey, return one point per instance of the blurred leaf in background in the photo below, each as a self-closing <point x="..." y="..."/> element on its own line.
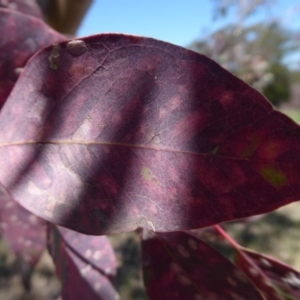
<point x="64" y="16"/>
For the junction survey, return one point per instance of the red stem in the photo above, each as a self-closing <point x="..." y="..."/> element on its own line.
<point x="227" y="237"/>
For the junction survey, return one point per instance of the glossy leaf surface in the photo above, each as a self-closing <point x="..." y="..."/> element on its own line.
<point x="21" y="36"/>
<point x="28" y="7"/>
<point x="115" y="132"/>
<point x="24" y="232"/>
<point x="180" y="266"/>
<point x="86" y="265"/>
<point x="270" y="273"/>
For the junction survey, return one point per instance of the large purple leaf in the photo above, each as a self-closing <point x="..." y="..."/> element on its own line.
<point x="85" y="264"/>
<point x="29" y="7"/>
<point x="180" y="266"/>
<point x="21" y="36"/>
<point x="24" y="232"/>
<point x="114" y="132"/>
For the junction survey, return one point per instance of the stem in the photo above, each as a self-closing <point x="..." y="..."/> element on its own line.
<point x="227" y="237"/>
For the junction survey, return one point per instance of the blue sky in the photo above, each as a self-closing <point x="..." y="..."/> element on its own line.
<point x="176" y="21"/>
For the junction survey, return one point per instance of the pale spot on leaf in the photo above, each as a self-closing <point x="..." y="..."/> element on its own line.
<point x="183" y="280"/>
<point x="97" y="286"/>
<point x="240" y="275"/>
<point x="9" y="204"/>
<point x="88" y="253"/>
<point x="265" y="263"/>
<point x="175" y="268"/>
<point x="193" y="244"/>
<point x="33" y="219"/>
<point x="231" y="281"/>
<point x="182" y="250"/>
<point x="14" y="218"/>
<point x="215" y="150"/>
<point x="4" y="2"/>
<point x="12" y="6"/>
<point x="3" y="225"/>
<point x="253" y="271"/>
<point x="292" y="279"/>
<point x="97" y="255"/>
<point x="236" y="296"/>
<point x="85" y="270"/>
<point x="28" y="243"/>
<point x="268" y="283"/>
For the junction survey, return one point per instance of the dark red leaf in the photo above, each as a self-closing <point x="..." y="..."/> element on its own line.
<point x="252" y="269"/>
<point x="28" y="7"/>
<point x="85" y="264"/>
<point x="267" y="272"/>
<point x="21" y="36"/>
<point x="180" y="266"/>
<point x="24" y="232"/>
<point x="115" y="132"/>
<point x="257" y="276"/>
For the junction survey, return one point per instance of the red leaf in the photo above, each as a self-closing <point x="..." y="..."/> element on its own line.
<point x="180" y="266"/>
<point x="21" y="36"/>
<point x="85" y="264"/>
<point x="28" y="7"/>
<point x="24" y="232"/>
<point x="264" y="271"/>
<point x="96" y="250"/>
<point x="268" y="273"/>
<point x="116" y="132"/>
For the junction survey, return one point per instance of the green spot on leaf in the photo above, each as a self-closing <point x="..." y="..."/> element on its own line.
<point x="147" y="174"/>
<point x="215" y="150"/>
<point x="253" y="142"/>
<point x="274" y="176"/>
